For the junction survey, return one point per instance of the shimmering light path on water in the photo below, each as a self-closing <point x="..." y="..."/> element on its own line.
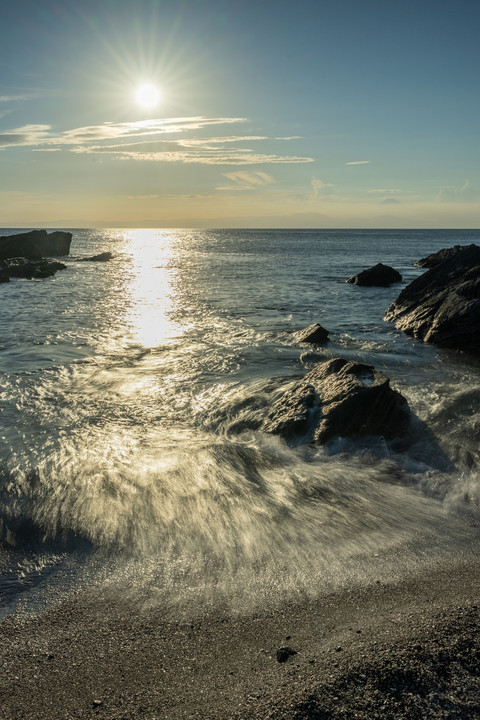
<point x="131" y="395"/>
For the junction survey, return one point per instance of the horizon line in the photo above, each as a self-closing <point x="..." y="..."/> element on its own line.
<point x="222" y="227"/>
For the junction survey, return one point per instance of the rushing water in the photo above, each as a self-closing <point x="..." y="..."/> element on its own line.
<point x="129" y="403"/>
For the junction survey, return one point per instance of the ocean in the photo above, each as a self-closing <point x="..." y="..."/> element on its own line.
<point x="131" y="459"/>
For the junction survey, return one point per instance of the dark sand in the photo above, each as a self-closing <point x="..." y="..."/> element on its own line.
<point x="409" y="649"/>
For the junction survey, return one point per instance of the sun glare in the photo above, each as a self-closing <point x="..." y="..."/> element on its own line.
<point x="147" y="95"/>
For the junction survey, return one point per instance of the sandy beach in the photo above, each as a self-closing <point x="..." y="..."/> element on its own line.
<point x="403" y="650"/>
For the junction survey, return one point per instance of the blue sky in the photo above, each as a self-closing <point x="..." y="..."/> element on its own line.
<point x="284" y="114"/>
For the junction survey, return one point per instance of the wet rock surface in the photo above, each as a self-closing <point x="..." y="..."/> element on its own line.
<point x="22" y="267"/>
<point x="314" y="334"/>
<point x="442" y="306"/>
<point x="339" y="398"/>
<point x="379" y="275"/>
<point x="101" y="257"/>
<point x="35" y="244"/>
<point x="446" y="254"/>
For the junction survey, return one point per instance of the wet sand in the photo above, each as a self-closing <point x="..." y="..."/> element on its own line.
<point x="402" y="650"/>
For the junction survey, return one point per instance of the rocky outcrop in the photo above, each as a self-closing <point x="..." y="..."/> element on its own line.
<point x="24" y="268"/>
<point x="101" y="257"/>
<point x="314" y="334"/>
<point x="35" y="244"/>
<point x="446" y="254"/>
<point x="380" y="276"/>
<point x="339" y="398"/>
<point x="442" y="306"/>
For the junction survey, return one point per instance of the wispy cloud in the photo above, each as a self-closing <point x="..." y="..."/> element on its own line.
<point x="454" y="192"/>
<point x="211" y="157"/>
<point x="319" y="186"/>
<point x="385" y="191"/>
<point x="30" y="135"/>
<point x="358" y="162"/>
<point x="115" y="139"/>
<point x="249" y="180"/>
<point x="166" y="196"/>
<point x="27" y="135"/>
<point x="246" y="180"/>
<point x="198" y="142"/>
<point x="14" y="98"/>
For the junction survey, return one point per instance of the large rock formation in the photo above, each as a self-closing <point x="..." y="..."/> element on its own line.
<point x="446" y="254"/>
<point x="35" y="244"/>
<point x="443" y="305"/>
<point x="379" y="275"/>
<point x="339" y="398"/>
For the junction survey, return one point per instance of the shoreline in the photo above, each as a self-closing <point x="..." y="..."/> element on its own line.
<point x="386" y="650"/>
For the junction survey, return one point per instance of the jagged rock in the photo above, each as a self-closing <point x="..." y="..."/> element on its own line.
<point x="35" y="244"/>
<point x="442" y="306"/>
<point x="101" y="257"/>
<point x="446" y="254"/>
<point x="315" y="334"/>
<point x="380" y="276"/>
<point x="24" y="268"/>
<point x="339" y="398"/>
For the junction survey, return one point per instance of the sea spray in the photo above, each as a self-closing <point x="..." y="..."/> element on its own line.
<point x="132" y="396"/>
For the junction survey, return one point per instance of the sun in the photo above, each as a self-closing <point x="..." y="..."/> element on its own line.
<point x="147" y="95"/>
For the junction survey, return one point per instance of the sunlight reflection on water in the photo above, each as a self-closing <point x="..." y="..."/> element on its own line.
<point x="151" y="295"/>
<point x="132" y="399"/>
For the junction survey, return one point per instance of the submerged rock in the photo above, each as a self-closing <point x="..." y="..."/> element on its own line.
<point x="380" y="276"/>
<point x="442" y="306"/>
<point x="21" y="267"/>
<point x="446" y="254"/>
<point x="315" y="334"/>
<point x="339" y="398"/>
<point x="101" y="257"/>
<point x="35" y="244"/>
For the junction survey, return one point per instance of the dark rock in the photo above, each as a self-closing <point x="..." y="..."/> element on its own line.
<point x="446" y="254"/>
<point x="35" y="244"/>
<point x="380" y="276"/>
<point x="315" y="334"/>
<point x="102" y="257"/>
<point x="339" y="398"/>
<point x="24" y="268"/>
<point x="294" y="415"/>
<point x="284" y="653"/>
<point x="442" y="306"/>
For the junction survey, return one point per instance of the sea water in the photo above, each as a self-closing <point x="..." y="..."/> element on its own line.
<point x="131" y="397"/>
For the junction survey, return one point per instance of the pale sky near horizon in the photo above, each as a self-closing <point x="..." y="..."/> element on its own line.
<point x="279" y="114"/>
